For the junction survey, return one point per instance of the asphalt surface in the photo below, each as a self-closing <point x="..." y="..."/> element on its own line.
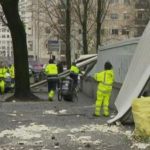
<point x="59" y="125"/>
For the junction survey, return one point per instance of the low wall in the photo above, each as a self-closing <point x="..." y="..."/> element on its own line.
<point x="89" y="88"/>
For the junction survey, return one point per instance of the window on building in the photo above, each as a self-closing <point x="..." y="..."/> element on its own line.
<point x="103" y="31"/>
<point x="79" y="45"/>
<point x="3" y="30"/>
<point x="114" y="16"/>
<point x="113" y="1"/>
<point x="3" y="47"/>
<point x="3" y="36"/>
<point x="140" y="15"/>
<point x="126" y="16"/>
<point x="114" y="32"/>
<point x="7" y="36"/>
<point x="22" y="12"/>
<point x="125" y="32"/>
<point x="80" y="31"/>
<point x="4" y="53"/>
<point x="3" y="25"/>
<point x="127" y="2"/>
<point x="47" y="30"/>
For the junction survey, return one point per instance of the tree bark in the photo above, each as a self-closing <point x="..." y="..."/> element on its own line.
<point x="98" y="34"/>
<point x="68" y="28"/>
<point x="84" y="27"/>
<point x="22" y="85"/>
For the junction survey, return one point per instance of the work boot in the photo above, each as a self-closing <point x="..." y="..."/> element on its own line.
<point x="50" y="99"/>
<point x="96" y="115"/>
<point x="106" y="114"/>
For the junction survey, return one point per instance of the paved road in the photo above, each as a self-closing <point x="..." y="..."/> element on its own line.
<point x="58" y="125"/>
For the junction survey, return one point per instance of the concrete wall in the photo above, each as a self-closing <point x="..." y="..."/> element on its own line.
<point x="120" y="56"/>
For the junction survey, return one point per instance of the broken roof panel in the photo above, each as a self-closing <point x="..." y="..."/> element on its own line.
<point x="137" y="76"/>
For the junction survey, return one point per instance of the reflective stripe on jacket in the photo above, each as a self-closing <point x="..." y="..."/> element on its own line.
<point x="51" y="69"/>
<point x="74" y="69"/>
<point x="105" y="79"/>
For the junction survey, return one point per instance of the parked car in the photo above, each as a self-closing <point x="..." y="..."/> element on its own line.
<point x="38" y="72"/>
<point x="30" y="70"/>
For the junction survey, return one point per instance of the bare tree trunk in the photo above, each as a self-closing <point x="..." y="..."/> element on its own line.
<point x="68" y="28"/>
<point x="22" y="86"/>
<point x="84" y="27"/>
<point x="98" y="33"/>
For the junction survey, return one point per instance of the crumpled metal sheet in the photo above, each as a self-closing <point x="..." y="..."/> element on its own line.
<point x="136" y="78"/>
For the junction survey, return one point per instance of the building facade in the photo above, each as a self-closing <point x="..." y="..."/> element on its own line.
<point x="124" y="19"/>
<point x="142" y="15"/>
<point x="5" y="41"/>
<point x="119" y="22"/>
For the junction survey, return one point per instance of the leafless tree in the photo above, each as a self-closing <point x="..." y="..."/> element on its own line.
<point x="22" y="86"/>
<point x="102" y="8"/>
<point x="82" y="10"/>
<point x="68" y="29"/>
<point x="57" y="22"/>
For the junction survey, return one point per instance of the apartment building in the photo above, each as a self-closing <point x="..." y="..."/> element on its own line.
<point x="37" y="36"/>
<point x="119" y="21"/>
<point x="142" y="13"/>
<point x="124" y="19"/>
<point x="5" y="40"/>
<point x="30" y="12"/>
<point x="6" y="49"/>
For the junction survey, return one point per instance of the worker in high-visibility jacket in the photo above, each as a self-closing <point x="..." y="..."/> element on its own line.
<point x="3" y="72"/>
<point x="12" y="75"/>
<point x="51" y="71"/>
<point x="105" y="82"/>
<point x="74" y="72"/>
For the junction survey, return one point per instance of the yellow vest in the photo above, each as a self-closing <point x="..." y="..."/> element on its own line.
<point x="3" y="72"/>
<point x="105" y="79"/>
<point x="12" y="71"/>
<point x="51" y="69"/>
<point x="74" y="69"/>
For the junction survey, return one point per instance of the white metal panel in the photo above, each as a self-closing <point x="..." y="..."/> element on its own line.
<point x="138" y="74"/>
<point x="119" y="54"/>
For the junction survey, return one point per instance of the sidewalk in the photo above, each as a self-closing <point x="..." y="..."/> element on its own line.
<point x="59" y="125"/>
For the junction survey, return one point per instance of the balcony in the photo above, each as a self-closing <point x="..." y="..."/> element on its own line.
<point x="142" y="5"/>
<point x="141" y="22"/>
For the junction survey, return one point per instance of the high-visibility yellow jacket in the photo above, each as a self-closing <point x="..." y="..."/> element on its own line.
<point x="74" y="69"/>
<point x="12" y="71"/>
<point x="105" y="79"/>
<point x="51" y="69"/>
<point x="3" y="72"/>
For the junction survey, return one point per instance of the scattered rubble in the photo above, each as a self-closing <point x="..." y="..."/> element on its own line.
<point x="12" y="115"/>
<point x="50" y="112"/>
<point x="63" y="111"/>
<point x="140" y="145"/>
<point x="53" y="112"/>
<point x="97" y="127"/>
<point x="29" y="132"/>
